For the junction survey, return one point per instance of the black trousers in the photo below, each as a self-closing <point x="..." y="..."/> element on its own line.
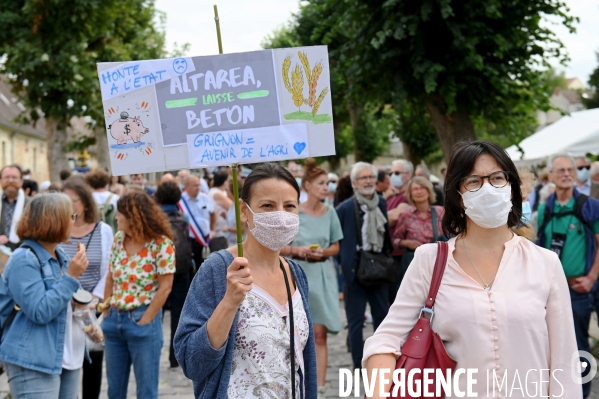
<point x="197" y="255"/>
<point x="92" y="375"/>
<point x="175" y="302"/>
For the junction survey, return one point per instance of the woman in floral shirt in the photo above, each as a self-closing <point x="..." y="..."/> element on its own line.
<point x="139" y="280"/>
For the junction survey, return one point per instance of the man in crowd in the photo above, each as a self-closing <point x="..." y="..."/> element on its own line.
<point x="423" y="171"/>
<point x="98" y="180"/>
<point x="382" y="182"/>
<point x="569" y="225"/>
<point x="298" y="172"/>
<point x="138" y="179"/>
<point x="595" y="180"/>
<point x="14" y="201"/>
<point x="199" y="207"/>
<point x="583" y="180"/>
<point x="401" y="172"/>
<point x="375" y="238"/>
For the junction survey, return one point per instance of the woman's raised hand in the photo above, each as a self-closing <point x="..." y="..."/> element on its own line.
<point x="78" y="264"/>
<point x="239" y="281"/>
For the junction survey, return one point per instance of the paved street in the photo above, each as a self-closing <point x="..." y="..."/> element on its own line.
<point x="173" y="383"/>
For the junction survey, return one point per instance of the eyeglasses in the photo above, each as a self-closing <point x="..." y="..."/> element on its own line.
<point x="333" y="181"/>
<point x="563" y="171"/>
<point x="587" y="167"/>
<point x="74" y="217"/>
<point x="396" y="173"/>
<point x="497" y="179"/>
<point x="365" y="178"/>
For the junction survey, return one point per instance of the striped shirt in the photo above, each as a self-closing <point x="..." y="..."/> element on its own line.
<point x="90" y="278"/>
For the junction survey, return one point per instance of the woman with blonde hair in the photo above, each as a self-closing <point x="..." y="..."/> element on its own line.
<point x="42" y="348"/>
<point x="139" y="280"/>
<point x="419" y="224"/>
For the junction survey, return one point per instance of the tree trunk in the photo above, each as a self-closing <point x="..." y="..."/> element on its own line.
<point x="451" y="128"/>
<point x="356" y="120"/>
<point x="409" y="155"/>
<point x="56" y="141"/>
<point x="103" y="152"/>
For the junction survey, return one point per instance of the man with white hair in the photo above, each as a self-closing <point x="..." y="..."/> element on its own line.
<point x="595" y="180"/>
<point x="401" y="172"/>
<point x="583" y="173"/>
<point x="375" y="237"/>
<point x="569" y="226"/>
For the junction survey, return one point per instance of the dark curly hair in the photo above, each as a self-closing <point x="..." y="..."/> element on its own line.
<point x="146" y="219"/>
<point x="98" y="178"/>
<point x="461" y="162"/>
<point x="168" y="193"/>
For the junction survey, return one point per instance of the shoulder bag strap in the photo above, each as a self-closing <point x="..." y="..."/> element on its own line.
<point x="291" y="328"/>
<point x="435" y="221"/>
<point x="91" y="236"/>
<point x="358" y="223"/>
<point x="442" y="251"/>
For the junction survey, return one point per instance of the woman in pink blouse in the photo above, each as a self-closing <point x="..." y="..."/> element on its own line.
<point x="503" y="306"/>
<point x="415" y="225"/>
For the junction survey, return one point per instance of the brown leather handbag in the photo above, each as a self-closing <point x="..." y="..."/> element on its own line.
<point x="424" y="349"/>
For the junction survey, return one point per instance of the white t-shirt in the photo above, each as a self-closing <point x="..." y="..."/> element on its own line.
<point x="74" y="343"/>
<point x="102" y="197"/>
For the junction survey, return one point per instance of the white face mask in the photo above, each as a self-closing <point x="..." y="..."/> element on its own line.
<point x="488" y="207"/>
<point x="275" y="229"/>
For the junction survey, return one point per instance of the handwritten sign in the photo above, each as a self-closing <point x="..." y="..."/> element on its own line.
<point x="152" y="108"/>
<point x="275" y="143"/>
<point x="134" y="75"/>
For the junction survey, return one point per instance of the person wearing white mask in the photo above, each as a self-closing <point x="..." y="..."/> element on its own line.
<point x="401" y="172"/>
<point x="503" y="304"/>
<point x="583" y="175"/>
<point x="236" y="341"/>
<point x="331" y="188"/>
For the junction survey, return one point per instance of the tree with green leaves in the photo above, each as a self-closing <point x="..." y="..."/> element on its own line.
<point x="469" y="64"/>
<point x="51" y="51"/>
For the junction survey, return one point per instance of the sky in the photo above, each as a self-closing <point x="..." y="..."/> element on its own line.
<point x="245" y="23"/>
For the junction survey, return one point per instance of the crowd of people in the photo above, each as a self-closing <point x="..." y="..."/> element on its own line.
<point x="517" y="292"/>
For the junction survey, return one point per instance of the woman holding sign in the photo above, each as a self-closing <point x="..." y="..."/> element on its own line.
<point x="236" y="341"/>
<point x="317" y="241"/>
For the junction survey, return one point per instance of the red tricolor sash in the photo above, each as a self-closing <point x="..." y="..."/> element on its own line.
<point x="201" y="238"/>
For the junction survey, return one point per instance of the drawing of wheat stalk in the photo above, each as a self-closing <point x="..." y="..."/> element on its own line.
<point x="323" y="93"/>
<point x="286" y="66"/>
<point x="297" y="86"/>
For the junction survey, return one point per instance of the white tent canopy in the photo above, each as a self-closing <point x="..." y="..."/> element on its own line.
<point x="576" y="135"/>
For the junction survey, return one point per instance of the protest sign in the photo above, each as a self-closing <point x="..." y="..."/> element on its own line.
<point x="258" y="106"/>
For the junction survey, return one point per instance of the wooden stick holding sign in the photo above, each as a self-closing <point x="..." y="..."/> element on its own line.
<point x="233" y="166"/>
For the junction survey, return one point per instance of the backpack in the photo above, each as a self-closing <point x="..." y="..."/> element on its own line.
<point x="577" y="212"/>
<point x="107" y="213"/>
<point x="183" y="248"/>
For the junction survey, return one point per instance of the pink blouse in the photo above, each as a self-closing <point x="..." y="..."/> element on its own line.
<point x="523" y="323"/>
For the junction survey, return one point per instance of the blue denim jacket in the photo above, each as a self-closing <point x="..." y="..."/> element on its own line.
<point x="35" y="339"/>
<point x="209" y="368"/>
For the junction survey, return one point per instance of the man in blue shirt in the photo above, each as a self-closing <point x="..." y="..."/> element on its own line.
<point x="202" y="218"/>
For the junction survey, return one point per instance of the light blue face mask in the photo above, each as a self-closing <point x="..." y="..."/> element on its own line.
<point x="396" y="180"/>
<point x="332" y="187"/>
<point x="526" y="212"/>
<point x="583" y="175"/>
<point x="299" y="181"/>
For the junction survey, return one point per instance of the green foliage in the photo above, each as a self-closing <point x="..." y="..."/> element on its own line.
<point x="80" y="143"/>
<point x="479" y="59"/>
<point x="415" y="130"/>
<point x="372" y="136"/>
<point x="593" y="100"/>
<point x="52" y="48"/>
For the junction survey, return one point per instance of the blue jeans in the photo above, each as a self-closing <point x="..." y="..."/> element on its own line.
<point x="582" y="306"/>
<point x="30" y="384"/>
<point x="355" y="297"/>
<point x="126" y="343"/>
